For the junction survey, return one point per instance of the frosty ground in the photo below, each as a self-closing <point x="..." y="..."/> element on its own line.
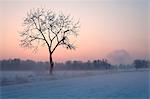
<point x="120" y="85"/>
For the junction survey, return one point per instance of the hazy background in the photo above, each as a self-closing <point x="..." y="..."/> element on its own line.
<point x="113" y="29"/>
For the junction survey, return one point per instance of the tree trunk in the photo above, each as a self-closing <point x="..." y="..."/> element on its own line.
<point x="51" y="64"/>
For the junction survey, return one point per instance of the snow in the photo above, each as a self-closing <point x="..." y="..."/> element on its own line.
<point x="19" y="77"/>
<point x="121" y="85"/>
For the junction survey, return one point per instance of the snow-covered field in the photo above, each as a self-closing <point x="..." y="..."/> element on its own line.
<point x="19" y="77"/>
<point x="121" y="85"/>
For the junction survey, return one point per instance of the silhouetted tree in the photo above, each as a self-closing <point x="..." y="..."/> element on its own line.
<point x="45" y="27"/>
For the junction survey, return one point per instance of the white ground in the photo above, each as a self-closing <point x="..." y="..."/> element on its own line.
<point x="122" y="85"/>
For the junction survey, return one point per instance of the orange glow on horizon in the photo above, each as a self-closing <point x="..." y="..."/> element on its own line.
<point x="105" y="27"/>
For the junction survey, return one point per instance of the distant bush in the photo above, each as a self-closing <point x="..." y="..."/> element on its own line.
<point x="21" y="65"/>
<point x="141" y="64"/>
<point x="30" y="65"/>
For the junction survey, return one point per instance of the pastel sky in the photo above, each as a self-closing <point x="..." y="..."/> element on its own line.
<point x="106" y="26"/>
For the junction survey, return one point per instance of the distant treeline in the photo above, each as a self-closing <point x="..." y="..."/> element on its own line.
<point x="22" y="65"/>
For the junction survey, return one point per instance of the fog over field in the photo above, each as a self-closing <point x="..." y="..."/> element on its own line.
<point x="27" y="79"/>
<point x="74" y="49"/>
<point x="89" y="85"/>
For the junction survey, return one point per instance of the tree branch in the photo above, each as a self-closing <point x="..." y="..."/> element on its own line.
<point x="57" y="45"/>
<point x="39" y="29"/>
<point x="36" y="37"/>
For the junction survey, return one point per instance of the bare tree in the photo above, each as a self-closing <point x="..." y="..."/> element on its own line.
<point x="45" y="27"/>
